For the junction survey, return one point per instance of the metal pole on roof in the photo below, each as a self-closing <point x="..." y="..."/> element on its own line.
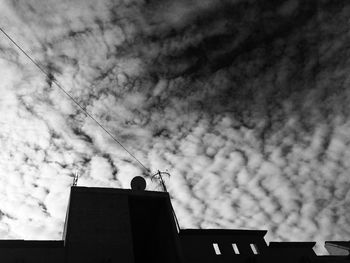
<point x="158" y="175"/>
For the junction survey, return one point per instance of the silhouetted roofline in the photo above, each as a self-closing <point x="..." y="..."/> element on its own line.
<point x="292" y="244"/>
<point x="83" y="189"/>
<point x="21" y="243"/>
<point x="331" y="257"/>
<point x="260" y="233"/>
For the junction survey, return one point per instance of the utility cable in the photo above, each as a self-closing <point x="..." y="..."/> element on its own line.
<point x="53" y="79"/>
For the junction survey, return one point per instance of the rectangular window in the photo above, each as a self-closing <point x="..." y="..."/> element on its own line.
<point x="216" y="249"/>
<point x="235" y="248"/>
<point x="254" y="249"/>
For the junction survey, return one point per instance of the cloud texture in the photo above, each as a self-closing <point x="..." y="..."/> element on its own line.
<point x="246" y="103"/>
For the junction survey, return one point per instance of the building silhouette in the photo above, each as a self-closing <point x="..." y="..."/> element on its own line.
<point x="105" y="225"/>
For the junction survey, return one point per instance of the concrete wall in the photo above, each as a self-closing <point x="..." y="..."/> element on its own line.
<point x="12" y="251"/>
<point x="198" y="245"/>
<point x="98" y="227"/>
<point x="119" y="225"/>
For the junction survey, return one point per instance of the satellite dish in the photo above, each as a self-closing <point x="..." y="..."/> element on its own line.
<point x="138" y="183"/>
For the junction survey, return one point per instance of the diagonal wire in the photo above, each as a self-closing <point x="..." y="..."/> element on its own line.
<point x="74" y="100"/>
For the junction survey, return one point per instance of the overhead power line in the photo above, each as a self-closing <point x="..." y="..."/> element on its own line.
<point x="53" y="79"/>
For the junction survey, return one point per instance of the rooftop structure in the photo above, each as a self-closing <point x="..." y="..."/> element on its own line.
<point x="133" y="226"/>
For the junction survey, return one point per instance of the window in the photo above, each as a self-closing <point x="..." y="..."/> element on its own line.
<point x="216" y="249"/>
<point x="254" y="249"/>
<point x="235" y="248"/>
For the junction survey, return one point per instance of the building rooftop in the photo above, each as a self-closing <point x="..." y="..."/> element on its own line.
<point x="132" y="225"/>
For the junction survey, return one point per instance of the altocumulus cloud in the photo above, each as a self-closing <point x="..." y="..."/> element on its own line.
<point x="245" y="102"/>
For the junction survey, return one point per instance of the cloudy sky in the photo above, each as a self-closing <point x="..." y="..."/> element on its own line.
<point x="245" y="102"/>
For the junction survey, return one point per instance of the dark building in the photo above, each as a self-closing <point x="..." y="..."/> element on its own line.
<point x="133" y="226"/>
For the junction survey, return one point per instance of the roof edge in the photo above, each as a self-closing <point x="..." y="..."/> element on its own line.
<point x="292" y="244"/>
<point x="260" y="233"/>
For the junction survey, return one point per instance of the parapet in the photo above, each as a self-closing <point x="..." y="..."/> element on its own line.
<point x="225" y="245"/>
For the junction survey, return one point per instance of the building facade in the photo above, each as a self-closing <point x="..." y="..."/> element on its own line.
<point x="105" y="225"/>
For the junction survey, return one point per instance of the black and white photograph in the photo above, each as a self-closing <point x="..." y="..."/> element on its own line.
<point x="185" y="131"/>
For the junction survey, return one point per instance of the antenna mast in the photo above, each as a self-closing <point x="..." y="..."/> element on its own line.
<point x="75" y="178"/>
<point x="158" y="175"/>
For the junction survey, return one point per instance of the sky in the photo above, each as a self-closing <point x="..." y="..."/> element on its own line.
<point x="244" y="102"/>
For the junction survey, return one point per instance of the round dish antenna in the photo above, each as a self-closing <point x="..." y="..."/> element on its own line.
<point x="138" y="183"/>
